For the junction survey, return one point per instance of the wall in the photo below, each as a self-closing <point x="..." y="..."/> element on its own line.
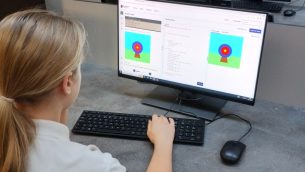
<point x="100" y="22"/>
<point x="282" y="73"/>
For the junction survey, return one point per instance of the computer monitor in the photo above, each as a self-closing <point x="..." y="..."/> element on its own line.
<point x="202" y="55"/>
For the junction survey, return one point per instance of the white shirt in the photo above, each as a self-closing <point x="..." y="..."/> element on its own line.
<point x="52" y="151"/>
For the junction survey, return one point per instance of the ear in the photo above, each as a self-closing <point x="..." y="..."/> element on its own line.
<point x="67" y="83"/>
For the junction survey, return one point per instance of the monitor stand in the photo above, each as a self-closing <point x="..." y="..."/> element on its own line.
<point x="196" y="105"/>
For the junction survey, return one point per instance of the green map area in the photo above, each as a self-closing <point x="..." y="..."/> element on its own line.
<point x="144" y="57"/>
<point x="233" y="62"/>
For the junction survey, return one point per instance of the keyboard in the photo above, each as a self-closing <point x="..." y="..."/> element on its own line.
<point x="258" y="6"/>
<point x="134" y="126"/>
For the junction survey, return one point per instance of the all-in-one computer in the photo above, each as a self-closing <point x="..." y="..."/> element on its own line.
<point x="199" y="56"/>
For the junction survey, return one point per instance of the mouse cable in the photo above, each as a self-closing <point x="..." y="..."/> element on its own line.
<point x="171" y="106"/>
<point x="188" y="99"/>
<point x="237" y="116"/>
<point x="179" y="100"/>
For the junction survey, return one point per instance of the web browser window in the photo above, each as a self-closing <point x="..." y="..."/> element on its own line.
<point x="201" y="47"/>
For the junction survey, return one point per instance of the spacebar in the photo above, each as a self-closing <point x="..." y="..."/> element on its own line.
<point x="119" y="133"/>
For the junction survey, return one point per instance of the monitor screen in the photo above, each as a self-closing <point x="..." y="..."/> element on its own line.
<point x="210" y="50"/>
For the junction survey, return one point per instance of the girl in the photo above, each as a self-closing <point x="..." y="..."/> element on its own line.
<point x="40" y="57"/>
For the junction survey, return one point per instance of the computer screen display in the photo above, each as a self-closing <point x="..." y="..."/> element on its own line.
<point x="209" y="50"/>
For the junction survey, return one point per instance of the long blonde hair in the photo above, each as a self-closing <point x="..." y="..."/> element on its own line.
<point x="37" y="48"/>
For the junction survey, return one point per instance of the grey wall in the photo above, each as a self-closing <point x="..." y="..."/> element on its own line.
<point x="100" y="22"/>
<point x="282" y="73"/>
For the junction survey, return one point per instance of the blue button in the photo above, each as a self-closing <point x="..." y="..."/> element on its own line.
<point x="255" y="30"/>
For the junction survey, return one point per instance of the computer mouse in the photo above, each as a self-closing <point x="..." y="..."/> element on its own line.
<point x="289" y="13"/>
<point x="232" y="151"/>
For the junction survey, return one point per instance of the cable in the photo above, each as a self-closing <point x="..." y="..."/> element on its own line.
<point x="217" y="118"/>
<point x="191" y="99"/>
<point x="230" y="114"/>
<point x="179" y="99"/>
<point x="170" y="108"/>
<point x="179" y="108"/>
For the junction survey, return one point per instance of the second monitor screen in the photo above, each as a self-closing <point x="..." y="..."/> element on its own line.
<point x="199" y="47"/>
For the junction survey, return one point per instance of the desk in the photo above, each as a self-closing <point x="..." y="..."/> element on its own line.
<point x="278" y="18"/>
<point x="297" y="20"/>
<point x="276" y="143"/>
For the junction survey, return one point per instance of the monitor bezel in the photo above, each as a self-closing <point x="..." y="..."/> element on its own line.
<point x="179" y="86"/>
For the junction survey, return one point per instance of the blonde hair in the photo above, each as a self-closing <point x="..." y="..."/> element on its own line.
<point x="37" y="48"/>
